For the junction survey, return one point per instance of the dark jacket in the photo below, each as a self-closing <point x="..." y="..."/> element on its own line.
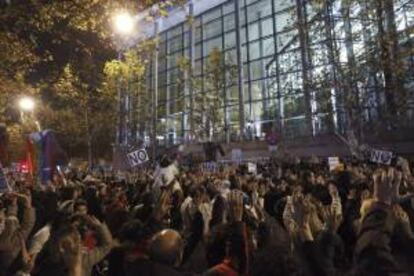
<point x="330" y="250"/>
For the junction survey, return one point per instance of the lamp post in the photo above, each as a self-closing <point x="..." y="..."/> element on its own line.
<point x="124" y="25"/>
<point x="155" y="93"/>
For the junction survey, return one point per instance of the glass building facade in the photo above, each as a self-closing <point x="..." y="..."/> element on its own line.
<point x="302" y="62"/>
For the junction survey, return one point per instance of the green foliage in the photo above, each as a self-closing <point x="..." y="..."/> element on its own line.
<point x="56" y="51"/>
<point x="376" y="68"/>
<point x="132" y="66"/>
<point x="16" y="143"/>
<point x="128" y="75"/>
<point x="207" y="105"/>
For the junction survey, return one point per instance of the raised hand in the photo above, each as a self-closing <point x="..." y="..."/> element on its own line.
<point x="287" y="216"/>
<point x="92" y="221"/>
<point x="301" y="217"/>
<point x="333" y="191"/>
<point x="301" y="211"/>
<point x="71" y="247"/>
<point x="206" y="210"/>
<point x="235" y="200"/>
<point x="387" y="186"/>
<point x="400" y="214"/>
<point x="26" y="198"/>
<point x="405" y="166"/>
<point x="336" y="206"/>
<point x="332" y="219"/>
<point x="403" y="220"/>
<point x="163" y="206"/>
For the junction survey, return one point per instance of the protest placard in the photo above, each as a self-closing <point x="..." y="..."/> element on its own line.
<point x="381" y="156"/>
<point x="252" y="168"/>
<point x="137" y="157"/>
<point x="333" y="163"/>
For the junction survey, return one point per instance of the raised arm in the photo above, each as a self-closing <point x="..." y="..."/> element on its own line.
<point x="373" y="251"/>
<point x="10" y="238"/>
<point x="104" y="236"/>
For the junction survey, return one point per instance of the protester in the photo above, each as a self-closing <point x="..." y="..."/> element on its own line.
<point x="290" y="217"/>
<point x="14" y="231"/>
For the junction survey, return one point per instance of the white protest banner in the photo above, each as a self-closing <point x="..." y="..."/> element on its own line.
<point x="381" y="156"/>
<point x="252" y="168"/>
<point x="333" y="163"/>
<point x="137" y="157"/>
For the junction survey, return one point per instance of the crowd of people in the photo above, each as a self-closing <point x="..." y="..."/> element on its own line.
<point x="286" y="218"/>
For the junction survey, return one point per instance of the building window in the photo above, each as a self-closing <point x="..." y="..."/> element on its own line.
<point x="197" y="36"/>
<point x="285" y="21"/>
<point x="229" y="22"/>
<point x="211" y="44"/>
<point x="256" y="90"/>
<point x="228" y="7"/>
<point x="254" y="50"/>
<point x="197" y="51"/>
<point x="268" y="46"/>
<point x="230" y="40"/>
<point x="281" y="5"/>
<point x="287" y="40"/>
<point x="211" y="15"/>
<point x="294" y="106"/>
<point x="258" y="10"/>
<point x="175" y="44"/>
<point x="253" y="31"/>
<point x="212" y="29"/>
<point x="256" y="70"/>
<point x="267" y="27"/>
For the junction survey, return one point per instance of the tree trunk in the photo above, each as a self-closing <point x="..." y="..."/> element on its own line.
<point x="333" y="68"/>
<point x="304" y="48"/>
<point x="88" y="129"/>
<point x="388" y="41"/>
<point x="351" y="97"/>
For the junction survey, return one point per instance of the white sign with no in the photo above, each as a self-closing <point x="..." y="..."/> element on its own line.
<point x="138" y="157"/>
<point x="381" y="156"/>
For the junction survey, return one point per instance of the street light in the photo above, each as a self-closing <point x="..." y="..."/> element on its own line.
<point x="124" y="23"/>
<point x="123" y="26"/>
<point x="26" y="104"/>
